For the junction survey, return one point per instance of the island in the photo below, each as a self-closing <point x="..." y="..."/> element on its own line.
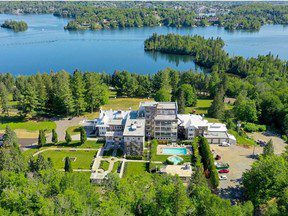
<point x="16" y="26"/>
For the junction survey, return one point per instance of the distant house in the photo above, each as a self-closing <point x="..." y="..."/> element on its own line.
<point x="195" y="125"/>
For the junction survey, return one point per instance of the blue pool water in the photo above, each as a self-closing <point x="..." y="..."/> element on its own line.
<point x="175" y="159"/>
<point x="175" y="151"/>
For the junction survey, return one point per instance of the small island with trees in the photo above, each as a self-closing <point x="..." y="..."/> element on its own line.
<point x="16" y="26"/>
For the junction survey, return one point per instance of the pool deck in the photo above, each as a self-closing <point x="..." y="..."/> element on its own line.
<point x="160" y="149"/>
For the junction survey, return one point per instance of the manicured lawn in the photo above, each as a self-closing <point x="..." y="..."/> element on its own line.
<point x="18" y="123"/>
<point x="74" y="130"/>
<point x="203" y="105"/>
<point x="29" y="153"/>
<point x="115" y="166"/>
<point x="104" y="165"/>
<point x="124" y="103"/>
<point x="77" y="144"/>
<point x="243" y="141"/>
<point x="134" y="168"/>
<point x="83" y="158"/>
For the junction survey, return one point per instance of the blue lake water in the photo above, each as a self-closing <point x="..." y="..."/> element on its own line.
<point x="47" y="46"/>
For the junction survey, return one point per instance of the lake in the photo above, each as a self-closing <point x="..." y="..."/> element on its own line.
<point x="47" y="46"/>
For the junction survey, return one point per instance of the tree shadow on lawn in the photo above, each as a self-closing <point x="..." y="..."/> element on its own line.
<point x="12" y="119"/>
<point x="64" y="144"/>
<point x="232" y="193"/>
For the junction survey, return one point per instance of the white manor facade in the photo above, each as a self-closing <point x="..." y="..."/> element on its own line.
<point x="158" y="120"/>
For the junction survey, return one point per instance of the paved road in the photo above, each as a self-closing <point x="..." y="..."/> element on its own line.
<point x="63" y="124"/>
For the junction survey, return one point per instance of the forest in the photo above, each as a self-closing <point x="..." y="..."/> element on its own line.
<point x="103" y="15"/>
<point x="16" y="26"/>
<point x="261" y="80"/>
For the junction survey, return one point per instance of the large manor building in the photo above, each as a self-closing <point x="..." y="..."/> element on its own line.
<point x="155" y="120"/>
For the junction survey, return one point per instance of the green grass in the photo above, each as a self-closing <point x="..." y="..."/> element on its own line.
<point x="104" y="165"/>
<point x="29" y="153"/>
<point x="19" y="123"/>
<point x="77" y="144"/>
<point x="83" y="158"/>
<point x="241" y="140"/>
<point x="74" y="130"/>
<point x="133" y="168"/>
<point x="115" y="166"/>
<point x="201" y="107"/>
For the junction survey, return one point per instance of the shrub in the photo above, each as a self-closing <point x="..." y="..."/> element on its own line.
<point x="250" y="127"/>
<point x="134" y="157"/>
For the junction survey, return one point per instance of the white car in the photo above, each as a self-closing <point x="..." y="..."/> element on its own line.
<point x="225" y="144"/>
<point x="223" y="177"/>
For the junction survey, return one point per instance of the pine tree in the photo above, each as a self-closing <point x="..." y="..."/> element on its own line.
<point x="83" y="136"/>
<point x="68" y="165"/>
<point x="216" y="109"/>
<point x="41" y="138"/>
<point x="4" y="99"/>
<point x="40" y="163"/>
<point x="97" y="94"/>
<point x="78" y="92"/>
<point x="181" y="103"/>
<point x="10" y="138"/>
<point x="54" y="136"/>
<point x="68" y="138"/>
<point x="28" y="102"/>
<point x="63" y="102"/>
<point x="268" y="149"/>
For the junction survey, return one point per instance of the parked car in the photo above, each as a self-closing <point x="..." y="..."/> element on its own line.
<point x="218" y="157"/>
<point x="224" y="171"/>
<point x="225" y="144"/>
<point x="221" y="165"/>
<point x="223" y="177"/>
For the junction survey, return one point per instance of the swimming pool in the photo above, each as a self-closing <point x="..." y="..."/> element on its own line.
<point x="174" y="151"/>
<point x="175" y="159"/>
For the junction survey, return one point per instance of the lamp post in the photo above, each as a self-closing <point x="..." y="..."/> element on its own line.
<point x="238" y="126"/>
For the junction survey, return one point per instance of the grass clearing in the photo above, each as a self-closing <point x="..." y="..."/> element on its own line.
<point x="104" y="165"/>
<point x="74" y="130"/>
<point x="16" y="122"/>
<point x="241" y="140"/>
<point x="134" y="168"/>
<point x="116" y="166"/>
<point x="83" y="158"/>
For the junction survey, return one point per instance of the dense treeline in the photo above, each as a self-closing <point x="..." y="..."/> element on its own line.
<point x="98" y="15"/>
<point x="253" y="16"/>
<point x="55" y="93"/>
<point x="262" y="90"/>
<point x="266" y="183"/>
<point x="248" y="17"/>
<point x="33" y="187"/>
<point x="16" y="26"/>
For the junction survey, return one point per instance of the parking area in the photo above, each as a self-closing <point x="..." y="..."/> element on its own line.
<point x="240" y="159"/>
